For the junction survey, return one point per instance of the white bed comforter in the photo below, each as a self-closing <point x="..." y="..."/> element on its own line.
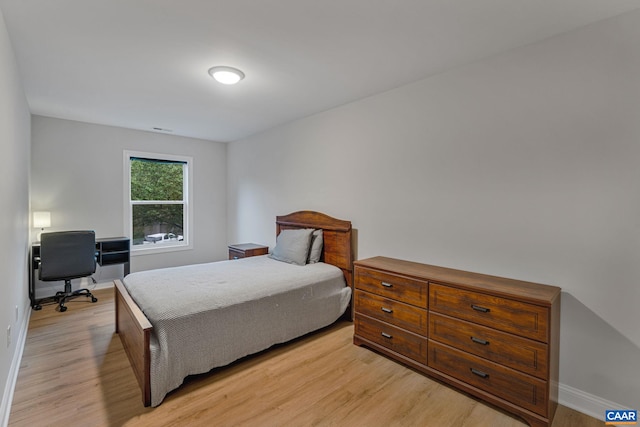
<point x="208" y="315"/>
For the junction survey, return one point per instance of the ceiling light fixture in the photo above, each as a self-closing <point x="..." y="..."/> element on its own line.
<point x="226" y="75"/>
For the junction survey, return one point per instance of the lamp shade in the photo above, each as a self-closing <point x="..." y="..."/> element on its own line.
<point x="42" y="219"/>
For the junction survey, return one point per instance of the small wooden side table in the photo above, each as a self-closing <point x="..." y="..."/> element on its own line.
<point x="245" y="250"/>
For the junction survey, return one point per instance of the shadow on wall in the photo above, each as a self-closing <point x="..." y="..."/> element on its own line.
<point x="597" y="359"/>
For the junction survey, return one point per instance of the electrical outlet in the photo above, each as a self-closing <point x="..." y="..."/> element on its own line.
<point x="8" y="336"/>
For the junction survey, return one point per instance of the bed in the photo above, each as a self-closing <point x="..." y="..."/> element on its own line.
<point x="196" y="318"/>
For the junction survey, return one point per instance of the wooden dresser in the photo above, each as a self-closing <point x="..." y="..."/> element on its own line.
<point x="492" y="337"/>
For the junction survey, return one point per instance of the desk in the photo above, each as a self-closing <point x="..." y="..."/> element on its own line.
<point x="109" y="251"/>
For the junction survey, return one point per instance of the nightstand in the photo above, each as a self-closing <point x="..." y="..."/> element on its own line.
<point x="246" y="250"/>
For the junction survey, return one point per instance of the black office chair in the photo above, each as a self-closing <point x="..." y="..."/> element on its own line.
<point x="67" y="255"/>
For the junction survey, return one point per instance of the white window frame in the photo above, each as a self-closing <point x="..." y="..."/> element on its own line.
<point x="188" y="202"/>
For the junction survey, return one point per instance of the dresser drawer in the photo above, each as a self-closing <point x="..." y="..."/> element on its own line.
<point x="528" y="320"/>
<point x="391" y="337"/>
<point x="391" y="311"/>
<point x="400" y="288"/>
<point x="515" y="387"/>
<point x="235" y="254"/>
<point x="515" y="352"/>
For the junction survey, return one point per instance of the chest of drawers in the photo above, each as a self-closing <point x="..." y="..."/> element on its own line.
<point x="491" y="337"/>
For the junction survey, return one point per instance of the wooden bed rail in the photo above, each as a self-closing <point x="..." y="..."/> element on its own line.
<point x="135" y="331"/>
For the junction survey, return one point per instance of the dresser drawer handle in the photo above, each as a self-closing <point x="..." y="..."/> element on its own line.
<point x="479" y="373"/>
<point x="481" y="309"/>
<point x="387" y="310"/>
<point x="387" y="285"/>
<point x="386" y="335"/>
<point x="479" y="341"/>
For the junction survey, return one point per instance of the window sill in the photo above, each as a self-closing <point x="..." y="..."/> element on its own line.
<point x="159" y="250"/>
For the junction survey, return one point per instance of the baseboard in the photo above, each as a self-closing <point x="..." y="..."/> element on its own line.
<point x="584" y="402"/>
<point x="9" y="387"/>
<point x="47" y="289"/>
<point x="101" y="285"/>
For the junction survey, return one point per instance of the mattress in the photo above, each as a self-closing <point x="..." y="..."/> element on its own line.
<point x="209" y="315"/>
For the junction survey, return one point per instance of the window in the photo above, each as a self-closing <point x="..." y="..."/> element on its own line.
<point x="157" y="207"/>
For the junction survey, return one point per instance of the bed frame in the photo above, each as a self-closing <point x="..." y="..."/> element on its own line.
<point x="135" y="329"/>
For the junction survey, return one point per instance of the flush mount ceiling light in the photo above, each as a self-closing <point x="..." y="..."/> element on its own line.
<point x="226" y="75"/>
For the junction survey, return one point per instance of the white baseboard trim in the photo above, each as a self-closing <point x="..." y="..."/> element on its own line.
<point x="102" y="285"/>
<point x="47" y="289"/>
<point x="9" y="387"/>
<point x="584" y="402"/>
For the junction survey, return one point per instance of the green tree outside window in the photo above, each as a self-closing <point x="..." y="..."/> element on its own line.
<point x="157" y="198"/>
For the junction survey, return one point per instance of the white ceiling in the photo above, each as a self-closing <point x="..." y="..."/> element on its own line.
<point x="143" y="63"/>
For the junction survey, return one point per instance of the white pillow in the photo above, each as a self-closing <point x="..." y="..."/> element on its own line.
<point x="292" y="246"/>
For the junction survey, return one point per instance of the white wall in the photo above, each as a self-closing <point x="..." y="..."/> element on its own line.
<point x="524" y="165"/>
<point x="77" y="175"/>
<point x="14" y="218"/>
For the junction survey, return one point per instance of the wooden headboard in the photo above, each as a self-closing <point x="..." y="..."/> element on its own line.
<point x="336" y="233"/>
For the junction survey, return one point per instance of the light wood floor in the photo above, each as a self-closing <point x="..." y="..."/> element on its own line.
<point x="74" y="372"/>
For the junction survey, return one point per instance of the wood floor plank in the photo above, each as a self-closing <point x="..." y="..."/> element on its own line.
<point x="74" y="372"/>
